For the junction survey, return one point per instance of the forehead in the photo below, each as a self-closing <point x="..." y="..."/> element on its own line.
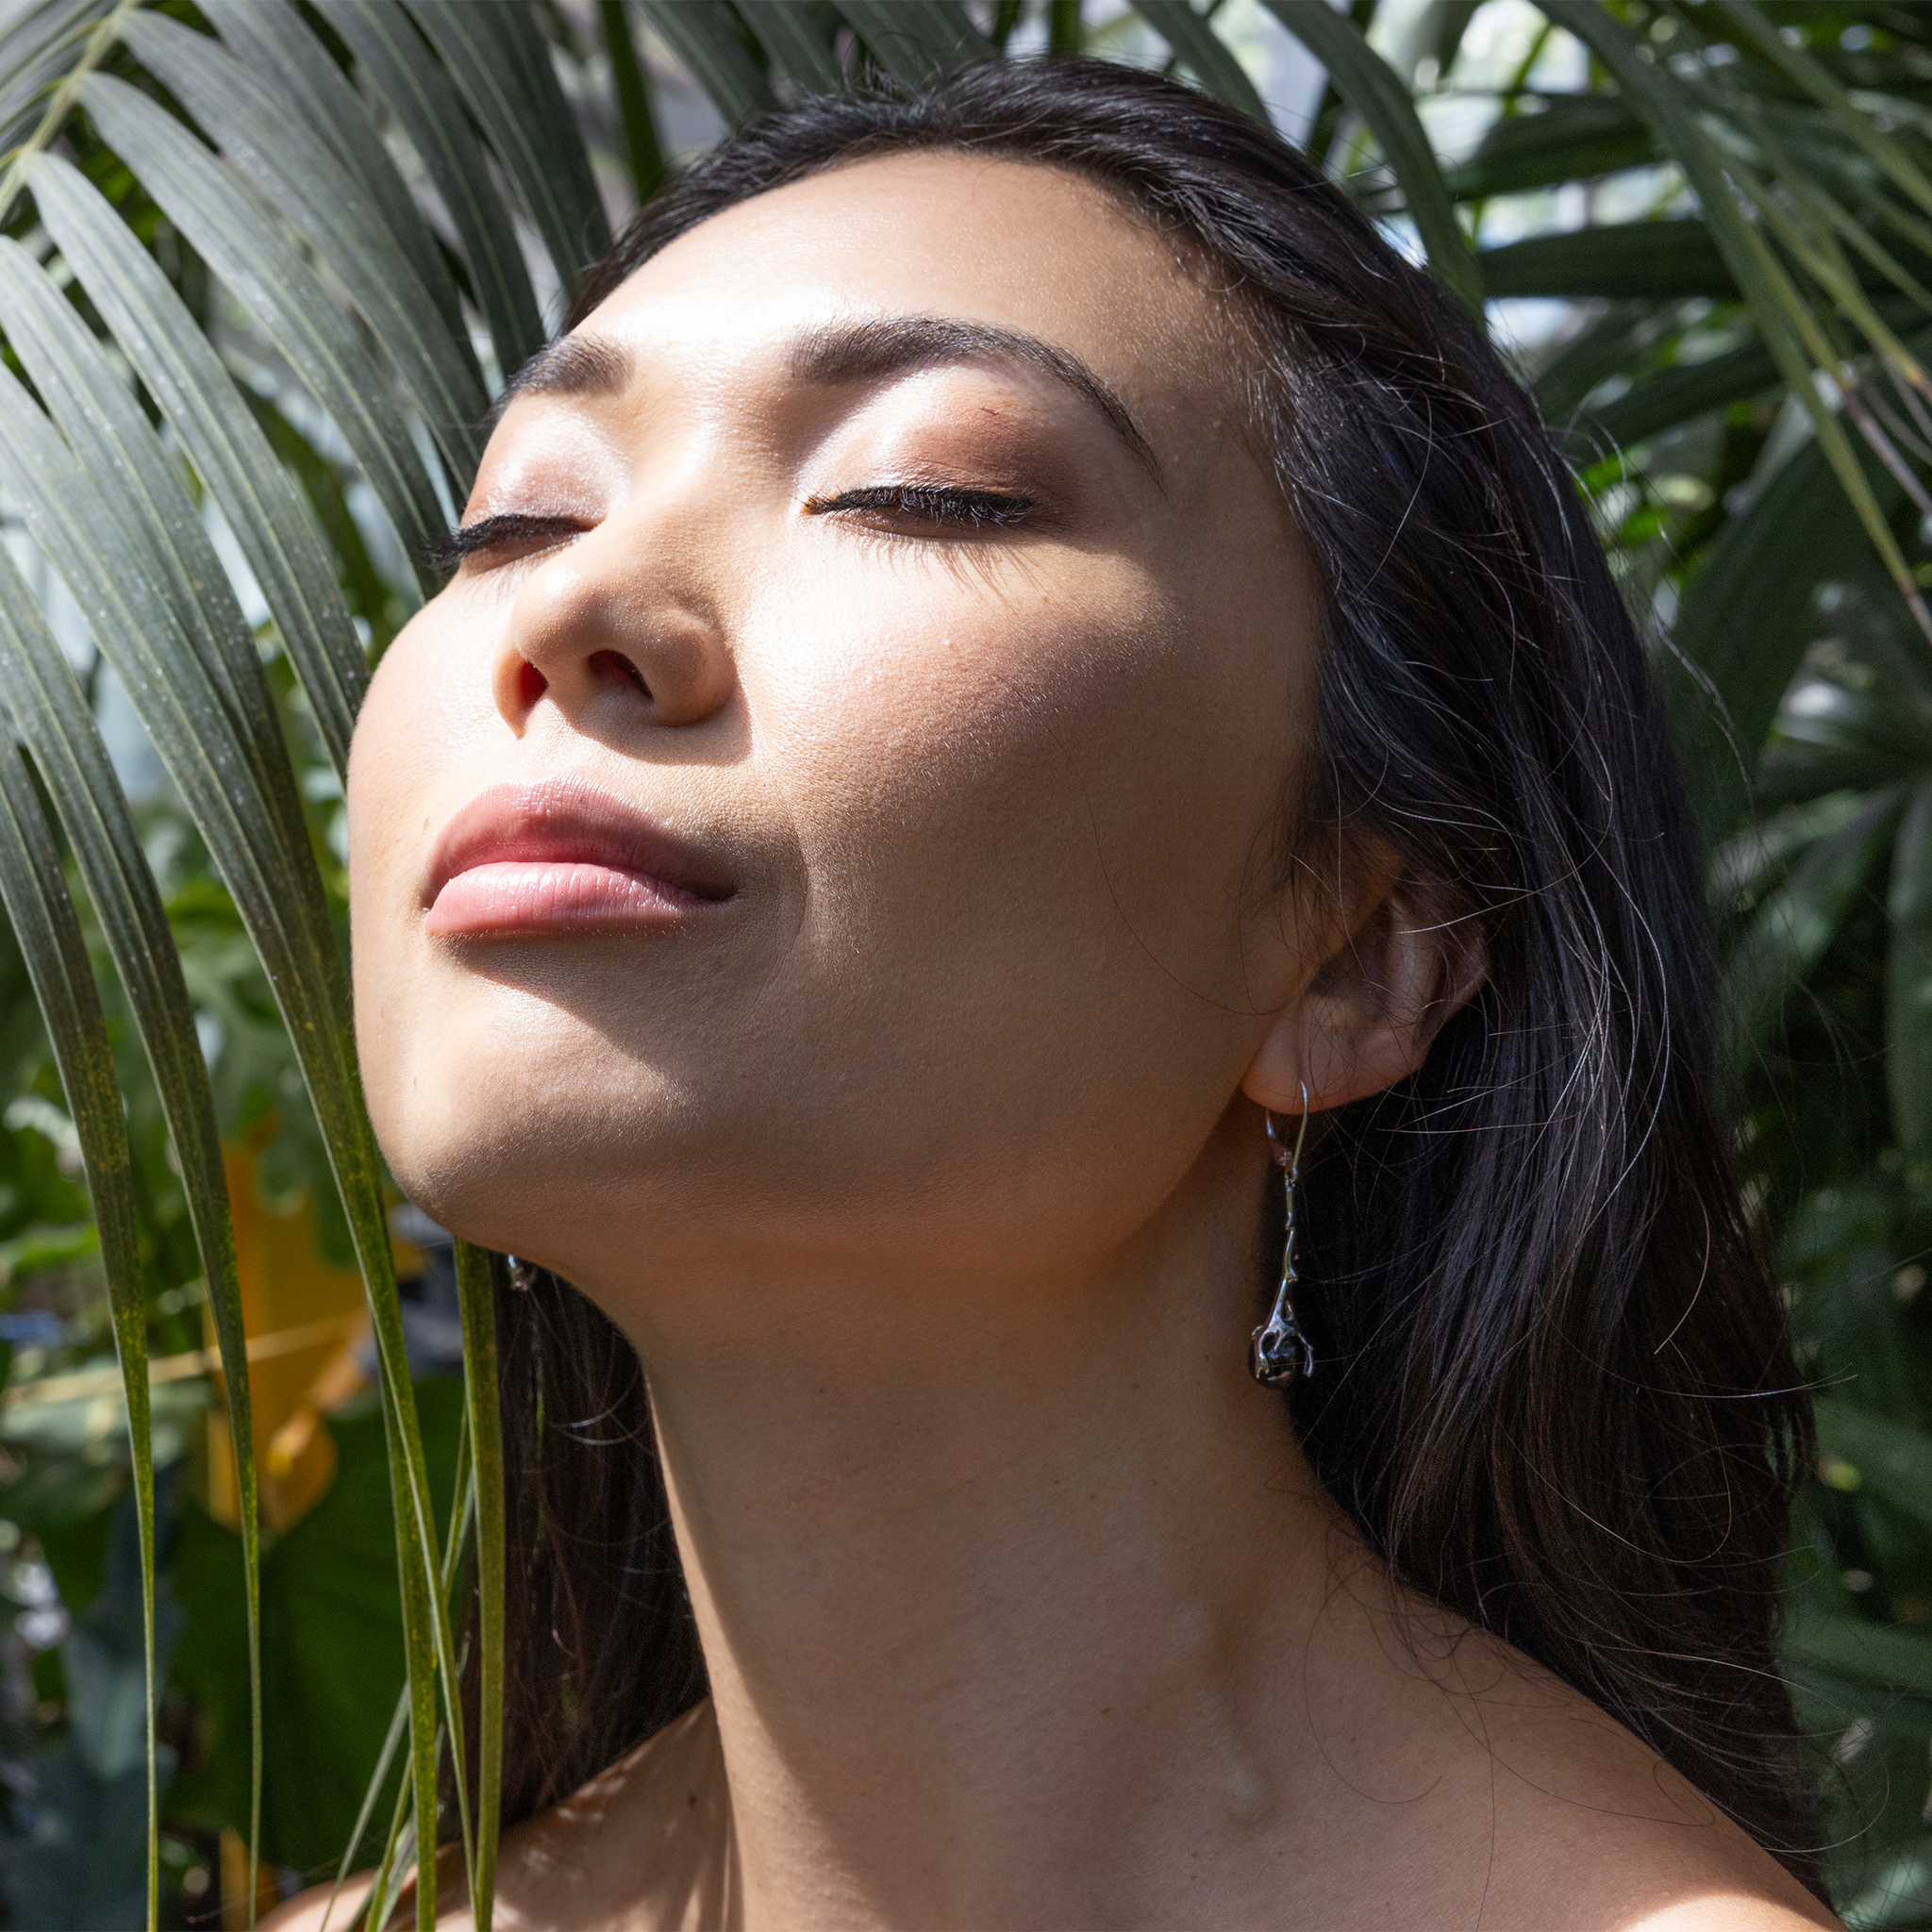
<point x="1008" y="243"/>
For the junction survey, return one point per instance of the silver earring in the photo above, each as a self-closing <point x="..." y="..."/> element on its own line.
<point x="523" y="1277"/>
<point x="1280" y="1351"/>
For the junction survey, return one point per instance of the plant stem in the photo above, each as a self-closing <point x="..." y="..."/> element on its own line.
<point x="99" y="44"/>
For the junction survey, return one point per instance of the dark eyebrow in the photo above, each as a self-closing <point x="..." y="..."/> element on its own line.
<point x="895" y="345"/>
<point x="571" y="366"/>
<point x="849" y="352"/>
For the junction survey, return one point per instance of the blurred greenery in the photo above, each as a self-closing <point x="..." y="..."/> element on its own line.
<point x="1704" y="230"/>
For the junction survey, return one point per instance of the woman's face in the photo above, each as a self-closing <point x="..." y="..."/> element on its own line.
<point x="830" y="817"/>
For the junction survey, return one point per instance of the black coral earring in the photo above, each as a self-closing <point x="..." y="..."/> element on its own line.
<point x="1280" y="1351"/>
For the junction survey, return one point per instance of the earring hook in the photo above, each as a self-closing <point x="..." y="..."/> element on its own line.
<point x="1289" y="1163"/>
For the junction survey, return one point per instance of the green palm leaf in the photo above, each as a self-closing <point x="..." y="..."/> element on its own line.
<point x="786" y="32"/>
<point x="329" y="207"/>
<point x="285" y="296"/>
<point x="1370" y="87"/>
<point x="274" y="528"/>
<point x="501" y="67"/>
<point x="38" y="44"/>
<point x="33" y="892"/>
<point x="196" y="701"/>
<point x="268" y="38"/>
<point x="52" y="716"/>
<point x="707" y="39"/>
<point x="1194" y="45"/>
<point x="914" y="38"/>
<point x="394" y="57"/>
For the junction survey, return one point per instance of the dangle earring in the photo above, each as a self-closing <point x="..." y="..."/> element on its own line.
<point x="523" y="1277"/>
<point x="1280" y="1351"/>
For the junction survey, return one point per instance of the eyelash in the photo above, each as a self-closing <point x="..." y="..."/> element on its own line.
<point x="493" y="533"/>
<point x="972" y="509"/>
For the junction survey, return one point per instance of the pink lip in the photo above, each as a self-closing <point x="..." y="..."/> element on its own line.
<point x="562" y="857"/>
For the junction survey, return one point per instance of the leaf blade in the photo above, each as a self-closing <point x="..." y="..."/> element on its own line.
<point x="394" y="57"/>
<point x="272" y="521"/>
<point x="34" y="894"/>
<point x="1195" y="44"/>
<point x="270" y="39"/>
<point x="1369" y="85"/>
<point x="52" y="717"/>
<point x="709" y="47"/>
<point x="285" y="295"/>
<point x="331" y="209"/>
<point x="503" y="72"/>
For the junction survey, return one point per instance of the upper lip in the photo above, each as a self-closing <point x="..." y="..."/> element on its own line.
<point x="569" y="822"/>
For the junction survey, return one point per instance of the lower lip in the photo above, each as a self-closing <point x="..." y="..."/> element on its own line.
<point x="555" y="897"/>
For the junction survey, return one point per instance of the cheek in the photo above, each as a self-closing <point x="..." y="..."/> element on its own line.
<point x="1064" y="765"/>
<point x="1024" y="820"/>
<point x="428" y="702"/>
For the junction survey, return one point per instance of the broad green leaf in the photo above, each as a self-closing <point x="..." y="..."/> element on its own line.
<point x="245" y="807"/>
<point x="1893" y="1459"/>
<point x="1369" y="85"/>
<point x="285" y="296"/>
<point x="271" y="39"/>
<point x="33" y="892"/>
<point x="788" y="34"/>
<point x="1603" y="350"/>
<point x="1676" y="396"/>
<point x="1744" y="867"/>
<point x="1195" y="44"/>
<point x="330" y="207"/>
<point x="272" y="521"/>
<point x="1792" y="929"/>
<point x="332" y="1674"/>
<point x="392" y="53"/>
<point x="377" y="1784"/>
<point x="1648" y="262"/>
<point x="1569" y="141"/>
<point x="1861" y="1653"/>
<point x="707" y="43"/>
<point x="501" y="65"/>
<point x="53" y="719"/>
<point x="916" y="38"/>
<point x="1896" y="1898"/>
<point x="1745" y="621"/>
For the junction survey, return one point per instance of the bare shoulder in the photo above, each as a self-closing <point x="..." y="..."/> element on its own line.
<point x="1591" y="1829"/>
<point x="658" y="1813"/>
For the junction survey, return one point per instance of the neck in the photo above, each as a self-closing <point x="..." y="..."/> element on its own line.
<point x="1006" y="1604"/>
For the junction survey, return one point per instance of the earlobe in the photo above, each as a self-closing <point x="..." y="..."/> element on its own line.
<point x="1370" y="1012"/>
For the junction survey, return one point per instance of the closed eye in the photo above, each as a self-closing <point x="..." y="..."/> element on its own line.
<point x="512" y="531"/>
<point x="921" y="502"/>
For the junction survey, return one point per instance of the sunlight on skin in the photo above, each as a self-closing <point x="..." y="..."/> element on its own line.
<point x="901" y="1102"/>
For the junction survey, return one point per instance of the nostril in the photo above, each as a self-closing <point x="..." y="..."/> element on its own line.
<point x="611" y="667"/>
<point x="531" y="684"/>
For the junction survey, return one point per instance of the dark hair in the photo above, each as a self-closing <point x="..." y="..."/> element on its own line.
<point x="1555" y="1387"/>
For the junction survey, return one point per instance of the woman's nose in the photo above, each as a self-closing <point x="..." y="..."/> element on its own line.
<point x="616" y="633"/>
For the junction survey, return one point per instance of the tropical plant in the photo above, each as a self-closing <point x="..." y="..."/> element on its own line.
<point x="262" y="265"/>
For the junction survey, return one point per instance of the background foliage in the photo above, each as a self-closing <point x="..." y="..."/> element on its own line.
<point x="265" y="260"/>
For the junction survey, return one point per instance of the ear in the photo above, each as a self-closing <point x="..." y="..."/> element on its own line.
<point x="1369" y="1012"/>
